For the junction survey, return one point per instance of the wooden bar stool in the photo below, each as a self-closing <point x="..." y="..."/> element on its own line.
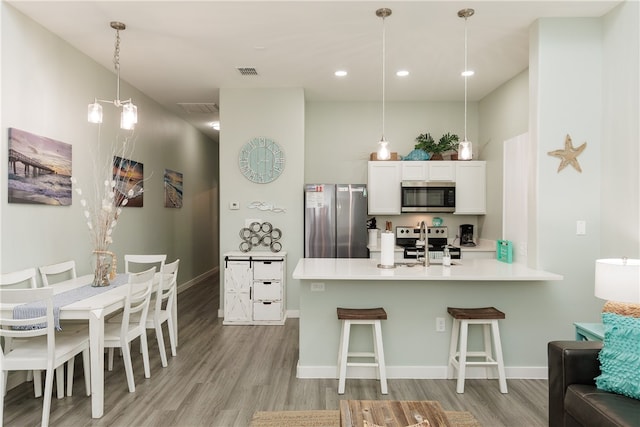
<point x="361" y="316"/>
<point x="487" y="317"/>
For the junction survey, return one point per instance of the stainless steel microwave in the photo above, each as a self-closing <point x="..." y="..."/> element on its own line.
<point x="422" y="196"/>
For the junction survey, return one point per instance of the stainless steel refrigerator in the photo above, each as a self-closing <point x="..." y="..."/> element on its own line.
<point x="335" y="221"/>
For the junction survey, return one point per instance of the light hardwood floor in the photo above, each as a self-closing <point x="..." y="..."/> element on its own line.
<point x="223" y="374"/>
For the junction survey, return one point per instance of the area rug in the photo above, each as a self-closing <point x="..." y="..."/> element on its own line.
<point x="332" y="419"/>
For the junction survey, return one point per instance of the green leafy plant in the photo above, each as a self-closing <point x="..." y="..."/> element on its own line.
<point x="450" y="140"/>
<point x="447" y="142"/>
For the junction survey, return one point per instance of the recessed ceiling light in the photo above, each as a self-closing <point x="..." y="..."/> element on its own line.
<point x="340" y="73"/>
<point x="402" y="73"/>
<point x="467" y="73"/>
<point x="215" y="125"/>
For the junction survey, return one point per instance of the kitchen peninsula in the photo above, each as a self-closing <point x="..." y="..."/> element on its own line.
<point x="413" y="297"/>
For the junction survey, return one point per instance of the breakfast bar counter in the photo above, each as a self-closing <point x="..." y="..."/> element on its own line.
<point x="367" y="269"/>
<point x="415" y="297"/>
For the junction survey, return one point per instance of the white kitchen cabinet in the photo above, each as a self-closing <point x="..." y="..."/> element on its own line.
<point x="254" y="288"/>
<point x="383" y="186"/>
<point x="471" y="191"/>
<point x="441" y="170"/>
<point x="428" y="170"/>
<point x="415" y="170"/>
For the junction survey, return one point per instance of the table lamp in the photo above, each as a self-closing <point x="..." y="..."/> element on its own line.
<point x="618" y="281"/>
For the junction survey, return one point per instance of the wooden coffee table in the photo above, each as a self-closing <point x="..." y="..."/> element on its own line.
<point x="388" y="413"/>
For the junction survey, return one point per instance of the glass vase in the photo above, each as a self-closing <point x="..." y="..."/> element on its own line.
<point x="104" y="268"/>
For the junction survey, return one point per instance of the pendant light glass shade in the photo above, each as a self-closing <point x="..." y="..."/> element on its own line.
<point x="383" y="150"/>
<point x="129" y="116"/>
<point x="465" y="148"/>
<point x="94" y="113"/>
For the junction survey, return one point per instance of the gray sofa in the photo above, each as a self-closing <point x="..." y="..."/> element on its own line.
<point x="574" y="399"/>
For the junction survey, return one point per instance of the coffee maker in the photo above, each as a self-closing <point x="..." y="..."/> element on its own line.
<point x="466" y="235"/>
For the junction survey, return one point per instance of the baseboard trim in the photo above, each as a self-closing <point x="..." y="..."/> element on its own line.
<point x="198" y="279"/>
<point x="418" y="372"/>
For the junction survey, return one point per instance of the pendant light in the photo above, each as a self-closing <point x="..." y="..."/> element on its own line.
<point x="129" y="114"/>
<point x="465" y="149"/>
<point x="383" y="145"/>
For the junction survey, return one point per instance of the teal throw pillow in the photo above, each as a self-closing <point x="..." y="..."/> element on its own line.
<point x="620" y="355"/>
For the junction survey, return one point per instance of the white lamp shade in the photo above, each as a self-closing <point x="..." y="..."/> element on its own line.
<point x="465" y="150"/>
<point x="129" y="116"/>
<point x="383" y="150"/>
<point x="94" y="113"/>
<point x="618" y="280"/>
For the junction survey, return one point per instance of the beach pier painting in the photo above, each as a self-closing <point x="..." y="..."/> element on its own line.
<point x="39" y="169"/>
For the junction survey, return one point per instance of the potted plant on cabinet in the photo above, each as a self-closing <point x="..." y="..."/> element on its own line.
<point x="446" y="142"/>
<point x="452" y="141"/>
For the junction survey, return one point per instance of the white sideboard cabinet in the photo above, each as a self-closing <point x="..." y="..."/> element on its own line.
<point x="383" y="186"/>
<point x="254" y="288"/>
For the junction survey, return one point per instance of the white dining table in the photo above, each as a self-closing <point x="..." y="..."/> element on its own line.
<point x="94" y="309"/>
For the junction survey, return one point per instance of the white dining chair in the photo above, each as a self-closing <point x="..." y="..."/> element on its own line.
<point x="23" y="279"/>
<point x="50" y="275"/>
<point x="37" y="348"/>
<point x="161" y="310"/>
<point x="19" y="279"/>
<point x="54" y="273"/>
<point x="136" y="263"/>
<point x="120" y="335"/>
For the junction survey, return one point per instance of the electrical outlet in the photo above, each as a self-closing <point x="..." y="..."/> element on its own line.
<point x="581" y="227"/>
<point x="317" y="287"/>
<point x="234" y="206"/>
<point x="440" y="324"/>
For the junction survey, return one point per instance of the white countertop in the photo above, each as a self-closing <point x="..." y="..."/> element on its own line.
<point x="366" y="269"/>
<point x="256" y="254"/>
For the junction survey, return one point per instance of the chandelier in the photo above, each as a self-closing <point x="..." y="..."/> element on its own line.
<point x="129" y="114"/>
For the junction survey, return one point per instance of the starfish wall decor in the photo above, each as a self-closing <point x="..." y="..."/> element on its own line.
<point x="569" y="155"/>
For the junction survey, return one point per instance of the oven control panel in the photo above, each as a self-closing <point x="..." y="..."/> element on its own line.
<point x="437" y="232"/>
<point x="406" y="232"/>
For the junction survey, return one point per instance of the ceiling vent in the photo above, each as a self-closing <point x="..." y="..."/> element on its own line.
<point x="199" y="107"/>
<point x="247" y="71"/>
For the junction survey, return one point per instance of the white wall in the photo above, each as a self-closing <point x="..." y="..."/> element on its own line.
<point x="620" y="151"/>
<point x="504" y="114"/>
<point x="46" y="86"/>
<point x="277" y="114"/>
<point x="566" y="63"/>
<point x="344" y="134"/>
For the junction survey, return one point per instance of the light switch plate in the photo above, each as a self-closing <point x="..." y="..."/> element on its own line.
<point x="581" y="227"/>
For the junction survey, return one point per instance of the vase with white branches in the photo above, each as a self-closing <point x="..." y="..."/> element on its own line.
<point x="102" y="209"/>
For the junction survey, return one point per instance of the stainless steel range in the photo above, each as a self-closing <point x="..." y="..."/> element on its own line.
<point x="407" y="237"/>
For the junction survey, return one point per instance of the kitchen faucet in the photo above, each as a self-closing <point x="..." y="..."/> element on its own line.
<point x="423" y="241"/>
